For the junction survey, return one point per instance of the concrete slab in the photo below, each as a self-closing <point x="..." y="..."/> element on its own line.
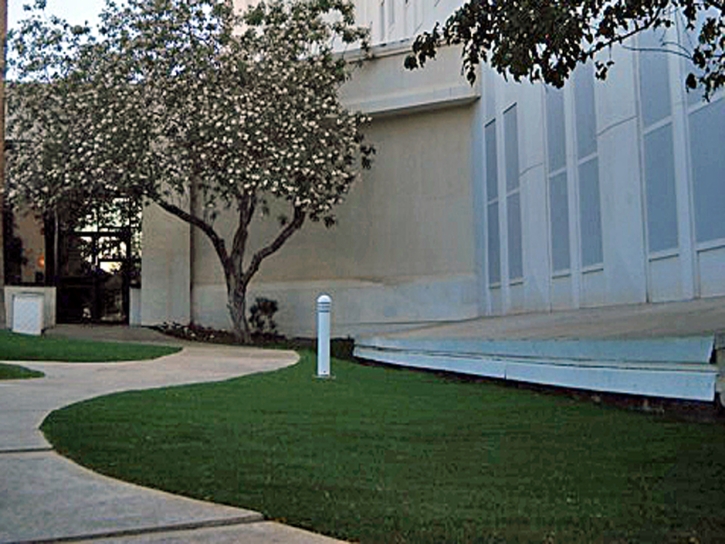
<point x="701" y="317"/>
<point x="661" y="350"/>
<point x="693" y="349"/>
<point x="44" y="497"/>
<point x="113" y="333"/>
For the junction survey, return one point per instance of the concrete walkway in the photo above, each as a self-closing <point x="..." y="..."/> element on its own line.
<point x="700" y="317"/>
<point x="46" y="498"/>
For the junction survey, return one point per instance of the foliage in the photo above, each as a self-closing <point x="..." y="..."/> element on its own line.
<point x="542" y="40"/>
<point x="261" y="316"/>
<point x="197" y="108"/>
<point x="21" y="347"/>
<point x="386" y="455"/>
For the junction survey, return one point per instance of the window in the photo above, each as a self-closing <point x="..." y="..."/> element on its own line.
<point x="381" y="18"/>
<point x="418" y="13"/>
<point x="513" y="194"/>
<point x="654" y="79"/>
<point x="586" y="116"/>
<point x="590" y="221"/>
<point x="558" y="190"/>
<point x="659" y="165"/>
<point x="559" y="206"/>
<point x="659" y="172"/>
<point x="707" y="154"/>
<point x="707" y="134"/>
<point x="494" y="247"/>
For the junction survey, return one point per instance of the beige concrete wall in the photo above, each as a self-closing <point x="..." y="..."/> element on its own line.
<point x="383" y="86"/>
<point x="403" y="250"/>
<point x="410" y="215"/>
<point x="165" y="268"/>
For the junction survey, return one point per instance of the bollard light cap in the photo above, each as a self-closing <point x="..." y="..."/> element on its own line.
<point x="324" y="303"/>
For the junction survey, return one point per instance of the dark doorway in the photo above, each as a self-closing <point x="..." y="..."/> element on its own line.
<point x="94" y="276"/>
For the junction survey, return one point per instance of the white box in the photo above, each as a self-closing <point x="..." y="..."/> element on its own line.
<point x="28" y="315"/>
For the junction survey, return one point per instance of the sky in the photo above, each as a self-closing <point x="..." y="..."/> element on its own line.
<point x="74" y="11"/>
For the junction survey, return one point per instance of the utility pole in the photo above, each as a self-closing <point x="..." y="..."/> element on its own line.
<point x="3" y="39"/>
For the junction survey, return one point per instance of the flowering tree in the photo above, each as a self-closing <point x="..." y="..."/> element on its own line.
<point x="197" y="108"/>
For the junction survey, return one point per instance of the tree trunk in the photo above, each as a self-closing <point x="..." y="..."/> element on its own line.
<point x="237" y="304"/>
<point x="237" y="279"/>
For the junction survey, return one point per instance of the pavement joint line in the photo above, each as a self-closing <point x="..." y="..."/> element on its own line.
<point x="247" y="519"/>
<point x="26" y="450"/>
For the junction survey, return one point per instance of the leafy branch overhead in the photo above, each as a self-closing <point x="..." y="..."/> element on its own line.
<point x="544" y="40"/>
<point x="196" y="107"/>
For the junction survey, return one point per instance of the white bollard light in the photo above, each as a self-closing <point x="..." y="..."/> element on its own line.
<point x="324" y="305"/>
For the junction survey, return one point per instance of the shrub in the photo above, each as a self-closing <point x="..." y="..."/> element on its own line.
<point x="261" y="316"/>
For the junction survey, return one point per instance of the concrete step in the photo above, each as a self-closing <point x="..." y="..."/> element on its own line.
<point x="678" y="368"/>
<point x="693" y="349"/>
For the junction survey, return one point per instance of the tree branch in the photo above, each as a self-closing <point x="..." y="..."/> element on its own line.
<point x="216" y="240"/>
<point x="282" y="237"/>
<point x="246" y="212"/>
<point x="620" y="38"/>
<point x="657" y="50"/>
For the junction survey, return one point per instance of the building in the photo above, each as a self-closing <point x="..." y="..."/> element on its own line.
<point x="491" y="199"/>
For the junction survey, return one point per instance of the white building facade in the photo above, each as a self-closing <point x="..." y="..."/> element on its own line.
<point x="489" y="199"/>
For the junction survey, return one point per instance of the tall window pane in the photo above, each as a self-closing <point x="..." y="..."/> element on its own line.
<point x="381" y="15"/>
<point x="590" y="220"/>
<point x="586" y="118"/>
<point x="555" y="128"/>
<point x="659" y="173"/>
<point x="707" y="130"/>
<point x="491" y="162"/>
<point x="654" y="78"/>
<point x="559" y="209"/>
<point x="511" y="137"/>
<point x="513" y="211"/>
<point x="494" y="248"/>
<point x="513" y="198"/>
<point x="494" y="243"/>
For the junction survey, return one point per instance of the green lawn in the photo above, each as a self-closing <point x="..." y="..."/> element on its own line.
<point x="15" y="372"/>
<point x="385" y="455"/>
<point x="21" y="347"/>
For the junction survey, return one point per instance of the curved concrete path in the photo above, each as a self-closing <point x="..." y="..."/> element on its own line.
<point x="47" y="498"/>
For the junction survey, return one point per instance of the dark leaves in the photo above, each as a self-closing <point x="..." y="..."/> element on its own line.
<point x="541" y="40"/>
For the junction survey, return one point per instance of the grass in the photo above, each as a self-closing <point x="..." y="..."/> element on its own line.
<point x="20" y="347"/>
<point x="16" y="372"/>
<point x="385" y="455"/>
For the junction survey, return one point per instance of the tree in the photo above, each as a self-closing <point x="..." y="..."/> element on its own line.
<point x="545" y="40"/>
<point x="3" y="29"/>
<point x="198" y="109"/>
